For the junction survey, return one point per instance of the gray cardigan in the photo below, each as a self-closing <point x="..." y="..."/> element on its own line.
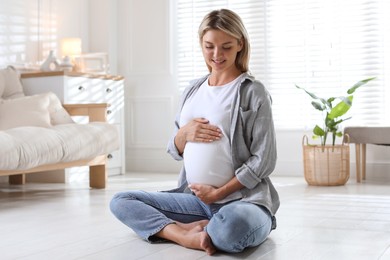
<point x="252" y="138"/>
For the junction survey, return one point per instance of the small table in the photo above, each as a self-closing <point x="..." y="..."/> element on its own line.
<point x="360" y="136"/>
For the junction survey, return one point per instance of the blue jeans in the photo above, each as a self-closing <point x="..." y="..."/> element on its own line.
<point x="232" y="227"/>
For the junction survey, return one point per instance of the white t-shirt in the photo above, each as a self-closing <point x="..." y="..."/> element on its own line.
<point x="211" y="163"/>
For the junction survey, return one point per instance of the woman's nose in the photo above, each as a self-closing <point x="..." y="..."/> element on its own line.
<point x="217" y="52"/>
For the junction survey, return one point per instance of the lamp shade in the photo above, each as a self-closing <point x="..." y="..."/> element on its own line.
<point x="70" y="47"/>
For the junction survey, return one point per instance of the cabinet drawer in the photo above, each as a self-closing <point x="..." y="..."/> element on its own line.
<point x="114" y="159"/>
<point x="114" y="115"/>
<point x="114" y="97"/>
<point x="84" y="90"/>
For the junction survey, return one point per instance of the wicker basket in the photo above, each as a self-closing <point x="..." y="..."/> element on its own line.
<point x="326" y="165"/>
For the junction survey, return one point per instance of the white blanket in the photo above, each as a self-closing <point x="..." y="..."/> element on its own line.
<point x="27" y="147"/>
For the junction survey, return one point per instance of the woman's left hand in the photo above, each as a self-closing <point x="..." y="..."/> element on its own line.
<point x="206" y="193"/>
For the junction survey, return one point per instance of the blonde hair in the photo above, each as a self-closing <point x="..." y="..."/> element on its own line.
<point x="229" y="22"/>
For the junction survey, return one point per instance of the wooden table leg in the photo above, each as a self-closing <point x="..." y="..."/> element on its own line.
<point x="363" y="161"/>
<point x="17" y="179"/>
<point x="97" y="176"/>
<point x="357" y="148"/>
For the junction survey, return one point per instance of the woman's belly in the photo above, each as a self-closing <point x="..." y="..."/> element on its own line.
<point x="208" y="163"/>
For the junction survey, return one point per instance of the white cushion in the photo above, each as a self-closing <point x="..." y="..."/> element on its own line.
<point x="58" y="114"/>
<point x="25" y="111"/>
<point x="10" y="83"/>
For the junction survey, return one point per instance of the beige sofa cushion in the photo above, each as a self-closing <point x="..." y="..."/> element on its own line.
<point x="58" y="114"/>
<point x="42" y="110"/>
<point x="25" y="111"/>
<point x="10" y="84"/>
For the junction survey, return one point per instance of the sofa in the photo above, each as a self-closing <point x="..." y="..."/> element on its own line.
<point x="38" y="134"/>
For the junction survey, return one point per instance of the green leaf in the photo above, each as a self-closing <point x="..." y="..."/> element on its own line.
<point x="318" y="131"/>
<point x="345" y="119"/>
<point x="330" y="100"/>
<point x="339" y="134"/>
<point x="340" y="109"/>
<point x="359" y="84"/>
<point x="318" y="106"/>
<point x="347" y="100"/>
<point x="312" y="95"/>
<point x="309" y="93"/>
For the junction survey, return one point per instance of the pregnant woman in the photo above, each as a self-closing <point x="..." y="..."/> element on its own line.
<point x="225" y="135"/>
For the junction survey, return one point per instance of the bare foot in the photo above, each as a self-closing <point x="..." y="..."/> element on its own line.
<point x="206" y="244"/>
<point x="192" y="236"/>
<point x="199" y="240"/>
<point x="196" y="226"/>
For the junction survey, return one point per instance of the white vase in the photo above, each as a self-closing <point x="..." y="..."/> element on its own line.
<point x="66" y="64"/>
<point x="51" y="63"/>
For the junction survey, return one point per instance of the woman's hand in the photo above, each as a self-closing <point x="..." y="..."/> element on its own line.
<point x="206" y="193"/>
<point x="200" y="130"/>
<point x="209" y="194"/>
<point x="197" y="130"/>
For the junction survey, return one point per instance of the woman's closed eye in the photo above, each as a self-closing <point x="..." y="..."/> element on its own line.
<point x="223" y="47"/>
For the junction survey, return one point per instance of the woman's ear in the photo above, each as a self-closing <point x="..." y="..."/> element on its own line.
<point x="240" y="45"/>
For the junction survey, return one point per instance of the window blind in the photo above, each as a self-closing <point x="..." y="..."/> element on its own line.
<point x="324" y="46"/>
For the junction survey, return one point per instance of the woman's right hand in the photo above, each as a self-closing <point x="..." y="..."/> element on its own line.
<point x="197" y="130"/>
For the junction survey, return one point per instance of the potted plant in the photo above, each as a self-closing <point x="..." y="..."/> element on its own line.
<point x="327" y="164"/>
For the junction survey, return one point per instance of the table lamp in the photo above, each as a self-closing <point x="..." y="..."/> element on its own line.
<point x="70" y="48"/>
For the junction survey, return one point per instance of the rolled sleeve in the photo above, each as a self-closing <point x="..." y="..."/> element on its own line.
<point x="172" y="150"/>
<point x="247" y="177"/>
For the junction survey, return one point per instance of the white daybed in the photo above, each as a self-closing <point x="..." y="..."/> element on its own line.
<point x="37" y="134"/>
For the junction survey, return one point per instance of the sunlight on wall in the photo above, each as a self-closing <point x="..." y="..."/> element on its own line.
<point x="27" y="32"/>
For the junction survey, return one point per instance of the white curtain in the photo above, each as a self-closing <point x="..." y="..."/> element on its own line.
<point x="324" y="46"/>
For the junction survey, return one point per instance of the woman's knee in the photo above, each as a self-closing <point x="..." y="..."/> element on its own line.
<point x="239" y="225"/>
<point x="120" y="201"/>
<point x="115" y="201"/>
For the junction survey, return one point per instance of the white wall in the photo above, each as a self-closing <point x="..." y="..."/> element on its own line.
<point x="145" y="59"/>
<point x="103" y="30"/>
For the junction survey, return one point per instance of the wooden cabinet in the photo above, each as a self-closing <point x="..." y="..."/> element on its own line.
<point x="73" y="88"/>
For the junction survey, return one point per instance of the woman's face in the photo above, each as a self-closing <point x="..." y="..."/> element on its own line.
<point x="220" y="50"/>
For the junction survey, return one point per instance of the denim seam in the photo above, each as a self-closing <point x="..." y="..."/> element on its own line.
<point x="194" y="213"/>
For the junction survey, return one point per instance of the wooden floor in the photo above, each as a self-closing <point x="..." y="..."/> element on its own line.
<point x="71" y="221"/>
